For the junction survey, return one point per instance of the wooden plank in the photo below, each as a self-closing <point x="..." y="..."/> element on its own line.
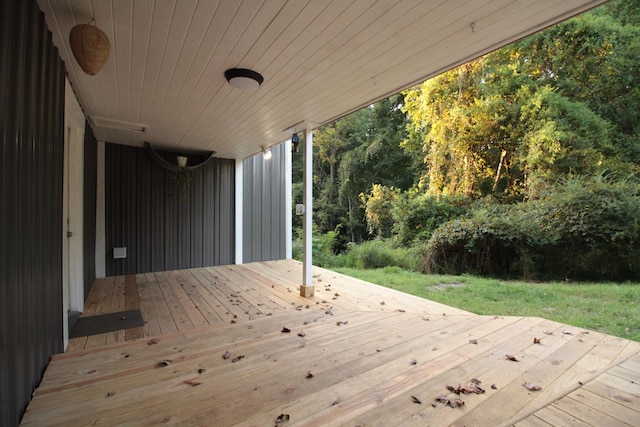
<point x="118" y="303"/>
<point x="594" y="402"/>
<point x="586" y="413"/>
<point x="195" y="291"/>
<point x="189" y="307"/>
<point x="145" y="299"/>
<point x="556" y="417"/>
<point x="533" y="421"/>
<point x="161" y="306"/>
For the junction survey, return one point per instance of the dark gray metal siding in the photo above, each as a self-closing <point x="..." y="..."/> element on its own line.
<point x="89" y="200"/>
<point x="31" y="171"/>
<point x="160" y="232"/>
<point x="264" y="216"/>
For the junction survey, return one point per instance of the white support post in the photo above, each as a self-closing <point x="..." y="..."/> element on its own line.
<point x="288" y="221"/>
<point x="239" y="213"/>
<point x="307" y="289"/>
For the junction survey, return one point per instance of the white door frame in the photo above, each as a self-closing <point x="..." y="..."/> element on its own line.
<point x="72" y="227"/>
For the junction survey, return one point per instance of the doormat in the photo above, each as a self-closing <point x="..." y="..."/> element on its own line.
<point x="94" y="325"/>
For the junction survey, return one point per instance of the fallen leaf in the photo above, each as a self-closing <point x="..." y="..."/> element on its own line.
<point x="235" y="359"/>
<point x="301" y="334"/>
<point x="532" y="387"/>
<point x="192" y="383"/>
<point x="309" y="374"/>
<point x="567" y="332"/>
<point x="165" y="362"/>
<point x="152" y="341"/>
<point x="111" y="393"/>
<point x="285" y="330"/>
<point x="402" y="310"/>
<point x="414" y="362"/>
<point x="342" y="322"/>
<point x="201" y="370"/>
<point x="382" y="303"/>
<point x="226" y="355"/>
<point x="452" y="402"/>
<point x="471" y="388"/>
<point x="536" y="340"/>
<point x="511" y="357"/>
<point x="425" y="318"/>
<point x="494" y="387"/>
<point x="473" y="342"/>
<point x="282" y="418"/>
<point x="548" y="332"/>
<point x="414" y="399"/>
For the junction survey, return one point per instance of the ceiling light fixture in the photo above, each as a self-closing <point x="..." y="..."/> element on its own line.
<point x="243" y="79"/>
<point x="266" y="151"/>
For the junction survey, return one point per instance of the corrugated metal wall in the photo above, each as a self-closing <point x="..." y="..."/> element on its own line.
<point x="31" y="171"/>
<point x="89" y="200"/>
<point x="160" y="232"/>
<point x="264" y="207"/>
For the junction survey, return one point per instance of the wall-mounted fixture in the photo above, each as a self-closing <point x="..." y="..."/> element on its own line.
<point x="266" y="151"/>
<point x="295" y="140"/>
<point x="243" y="79"/>
<point x="90" y="46"/>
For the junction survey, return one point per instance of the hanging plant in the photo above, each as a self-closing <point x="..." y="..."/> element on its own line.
<point x="181" y="182"/>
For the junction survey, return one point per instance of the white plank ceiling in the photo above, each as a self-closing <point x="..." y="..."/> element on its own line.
<point x="321" y="59"/>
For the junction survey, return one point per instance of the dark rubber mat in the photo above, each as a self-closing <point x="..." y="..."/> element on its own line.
<point x="94" y="325"/>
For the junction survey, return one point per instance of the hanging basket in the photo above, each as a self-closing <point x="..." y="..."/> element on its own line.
<point x="90" y="46"/>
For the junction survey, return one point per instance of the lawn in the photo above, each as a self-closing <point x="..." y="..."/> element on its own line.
<point x="611" y="308"/>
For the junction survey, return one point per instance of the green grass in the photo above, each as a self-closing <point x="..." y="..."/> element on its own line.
<point x="611" y="308"/>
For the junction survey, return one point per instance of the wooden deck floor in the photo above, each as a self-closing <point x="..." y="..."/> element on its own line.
<point x="357" y="355"/>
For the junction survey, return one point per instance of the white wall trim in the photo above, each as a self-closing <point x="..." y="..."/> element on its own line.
<point x="239" y="217"/>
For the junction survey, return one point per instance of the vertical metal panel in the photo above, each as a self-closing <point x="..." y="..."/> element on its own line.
<point x="89" y="199"/>
<point x="264" y="185"/>
<point x="161" y="232"/>
<point x="31" y="168"/>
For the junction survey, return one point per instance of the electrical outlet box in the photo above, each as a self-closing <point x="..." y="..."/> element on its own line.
<point x="119" y="253"/>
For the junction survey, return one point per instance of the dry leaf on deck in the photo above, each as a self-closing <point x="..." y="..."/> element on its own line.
<point x="237" y="358"/>
<point x="532" y="387"/>
<point x="285" y="330"/>
<point x="511" y="357"/>
<point x="309" y="374"/>
<point x="226" y="355"/>
<point x="165" y="362"/>
<point x="192" y="383"/>
<point x="536" y="340"/>
<point x="282" y="418"/>
<point x="414" y="399"/>
<point x="152" y="341"/>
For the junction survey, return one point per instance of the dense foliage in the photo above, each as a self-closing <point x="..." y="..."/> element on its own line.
<point x="497" y="166"/>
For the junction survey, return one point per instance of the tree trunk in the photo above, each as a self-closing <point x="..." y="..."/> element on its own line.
<point x="503" y="156"/>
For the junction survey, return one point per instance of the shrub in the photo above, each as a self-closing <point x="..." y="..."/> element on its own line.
<point x="379" y="254"/>
<point x="586" y="229"/>
<point x="416" y="218"/>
